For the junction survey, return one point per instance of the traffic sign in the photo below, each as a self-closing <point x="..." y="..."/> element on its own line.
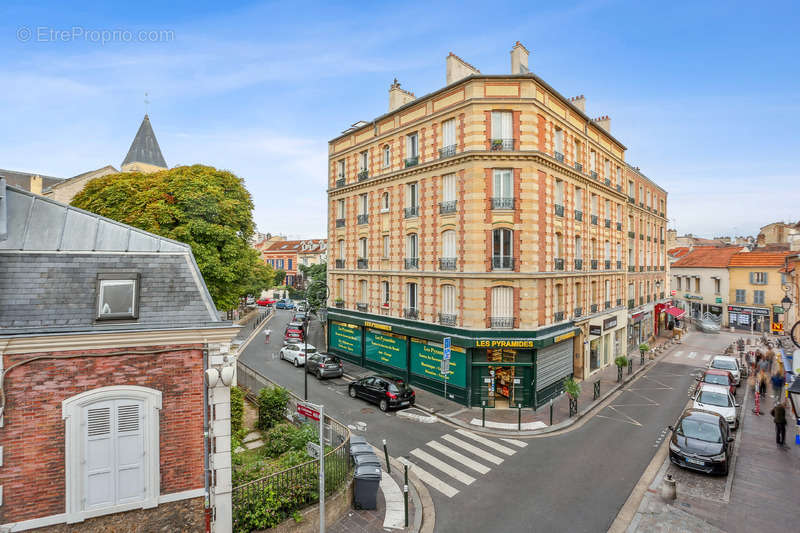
<point x="445" y="368"/>
<point x="312" y="450"/>
<point x="307" y="412"/>
<point x="446" y="351"/>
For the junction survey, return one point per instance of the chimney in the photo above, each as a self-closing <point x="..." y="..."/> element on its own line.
<point x="579" y="102"/>
<point x="519" y="59"/>
<point x="399" y="97"/>
<point x="604" y="122"/>
<point x="458" y="69"/>
<point x="36" y="184"/>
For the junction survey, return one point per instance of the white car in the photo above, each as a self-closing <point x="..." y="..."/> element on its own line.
<point x="731" y="364"/>
<point x="296" y="353"/>
<point x="717" y="399"/>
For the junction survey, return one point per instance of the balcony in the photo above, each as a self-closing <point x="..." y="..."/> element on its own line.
<point x="410" y="212"/>
<point x="447" y="151"/>
<point x="412" y="313"/>
<point x="594" y="220"/>
<point x="641" y="268"/>
<point x="502" y="321"/>
<point x="641" y="204"/>
<point x="559" y="156"/>
<point x="579" y="264"/>
<point x="631" y="268"/>
<point x="608" y="182"/>
<point x="502" y="203"/>
<point x="362" y="307"/>
<point x="578" y="312"/>
<point x="619" y="188"/>
<point x="578" y="167"/>
<point x="339" y="304"/>
<point x="632" y="234"/>
<point x="630" y="303"/>
<point x="361" y="263"/>
<point x="607" y="222"/>
<point x="559" y="210"/>
<point x="447" y="263"/>
<point x="641" y="300"/>
<point x="411" y="161"/>
<point x="446" y="208"/>
<point x="619" y="226"/>
<point x="340" y="182"/>
<point x="363" y="175"/>
<point x="502" y="262"/>
<point x="558" y="316"/>
<point x="594" y="264"/>
<point x="447" y="320"/>
<point x="608" y="264"/>
<point x="648" y="238"/>
<point x="619" y="302"/>
<point x="559" y="263"/>
<point x="607" y="304"/>
<point x="593" y="308"/>
<point x="339" y="222"/>
<point x="503" y="145"/>
<point x="340" y="263"/>
<point x="619" y="265"/>
<point x="412" y="263"/>
<point x="578" y="215"/>
<point x="641" y="236"/>
<point x="593" y="174"/>
<point x="631" y="200"/>
<point x="362" y="219"/>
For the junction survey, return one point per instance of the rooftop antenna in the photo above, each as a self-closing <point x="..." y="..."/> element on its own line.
<point x="146" y="104"/>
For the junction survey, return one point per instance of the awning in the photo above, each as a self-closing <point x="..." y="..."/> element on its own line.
<point x="677" y="313"/>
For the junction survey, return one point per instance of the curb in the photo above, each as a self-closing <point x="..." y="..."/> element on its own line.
<point x="255" y="332"/>
<point x="425" y="517"/>
<point x="430" y="419"/>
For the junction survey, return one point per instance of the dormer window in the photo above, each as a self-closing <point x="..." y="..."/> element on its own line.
<point x="118" y="296"/>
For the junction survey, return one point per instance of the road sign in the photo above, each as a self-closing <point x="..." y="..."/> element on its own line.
<point x="307" y="411"/>
<point x="445" y="368"/>
<point x="446" y="354"/>
<point x="312" y="450"/>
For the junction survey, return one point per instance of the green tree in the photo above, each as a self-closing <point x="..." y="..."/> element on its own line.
<point x="317" y="276"/>
<point x="206" y="208"/>
<point x="280" y="276"/>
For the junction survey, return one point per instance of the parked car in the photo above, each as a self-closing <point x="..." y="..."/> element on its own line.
<point x="263" y="302"/>
<point x="718" y="399"/>
<point x="731" y="364"/>
<point x="701" y="440"/>
<point x="298" y="317"/>
<point x="324" y="365"/>
<point x="717" y="377"/>
<point x="294" y="324"/>
<point x="302" y="307"/>
<point x="289" y="304"/>
<point x="292" y="336"/>
<point x="296" y="353"/>
<point x="388" y="392"/>
<point x="250" y="301"/>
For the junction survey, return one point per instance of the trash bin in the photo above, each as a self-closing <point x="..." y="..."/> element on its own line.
<point x="361" y="449"/>
<point x="366" y="459"/>
<point x="367" y="479"/>
<point x="357" y="439"/>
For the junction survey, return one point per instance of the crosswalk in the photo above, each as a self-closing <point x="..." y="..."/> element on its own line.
<point x="461" y="457"/>
<point x="693" y="355"/>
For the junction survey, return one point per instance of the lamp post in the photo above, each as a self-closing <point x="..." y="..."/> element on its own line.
<point x="320" y="287"/>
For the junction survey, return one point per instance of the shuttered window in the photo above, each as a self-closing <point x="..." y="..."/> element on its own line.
<point x="449" y="243"/>
<point x="449" y="133"/>
<point x="449" y="188"/>
<point x="502" y="302"/>
<point x="553" y="364"/>
<point x="448" y="299"/>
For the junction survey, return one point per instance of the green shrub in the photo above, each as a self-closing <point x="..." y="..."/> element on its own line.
<point x="621" y="361"/>
<point x="293" y="458"/>
<point x="263" y="510"/>
<point x="644" y="347"/>
<point x="272" y="403"/>
<point x="572" y="387"/>
<point x="237" y="409"/>
<point x="280" y="439"/>
<point x="305" y="433"/>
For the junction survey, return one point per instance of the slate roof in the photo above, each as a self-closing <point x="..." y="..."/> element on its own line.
<point x="760" y="259"/>
<point x="707" y="257"/>
<point x="51" y="255"/>
<point x="144" y="148"/>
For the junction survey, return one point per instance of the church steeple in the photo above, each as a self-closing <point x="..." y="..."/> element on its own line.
<point x="144" y="154"/>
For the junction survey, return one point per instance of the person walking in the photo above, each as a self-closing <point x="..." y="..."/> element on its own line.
<point x="267" y="333"/>
<point x="762" y="383"/>
<point x="779" y="417"/>
<point x="778" y="382"/>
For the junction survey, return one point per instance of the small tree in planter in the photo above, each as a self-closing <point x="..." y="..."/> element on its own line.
<point x="338" y="302"/>
<point x="573" y="390"/>
<point x="643" y="349"/>
<point x="621" y="363"/>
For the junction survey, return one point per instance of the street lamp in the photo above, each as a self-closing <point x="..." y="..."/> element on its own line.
<point x="786" y="303"/>
<point x="307" y="326"/>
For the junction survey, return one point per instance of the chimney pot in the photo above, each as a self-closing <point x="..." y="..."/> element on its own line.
<point x="458" y="69"/>
<point x="519" y="59"/>
<point x="398" y="97"/>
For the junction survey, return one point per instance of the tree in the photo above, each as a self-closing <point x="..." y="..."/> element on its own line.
<point x="206" y="208"/>
<point x="317" y="277"/>
<point x="280" y="276"/>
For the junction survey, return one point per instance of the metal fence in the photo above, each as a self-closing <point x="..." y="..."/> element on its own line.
<point x="287" y="491"/>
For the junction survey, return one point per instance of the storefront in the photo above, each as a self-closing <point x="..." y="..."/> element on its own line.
<point x="606" y="337"/>
<point x="747" y="318"/>
<point x="498" y="368"/>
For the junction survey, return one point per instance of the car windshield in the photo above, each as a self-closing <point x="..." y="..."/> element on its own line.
<point x="724" y="364"/>
<point x="331" y="360"/>
<point x="701" y="430"/>
<point x="716" y="379"/>
<point x="714" y="398"/>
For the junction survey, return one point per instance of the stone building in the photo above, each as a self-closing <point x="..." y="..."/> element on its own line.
<point x="289" y="255"/>
<point x="757" y="281"/>
<point x="493" y="212"/>
<point x="701" y="282"/>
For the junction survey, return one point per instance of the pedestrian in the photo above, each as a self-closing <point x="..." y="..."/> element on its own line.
<point x="777" y="384"/>
<point x="752" y="382"/>
<point x="266" y="335"/>
<point x="779" y="417"/>
<point x="762" y="383"/>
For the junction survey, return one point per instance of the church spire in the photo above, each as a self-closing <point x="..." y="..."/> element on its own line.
<point x="144" y="154"/>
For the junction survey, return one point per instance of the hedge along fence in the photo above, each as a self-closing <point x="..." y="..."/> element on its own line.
<point x="266" y="502"/>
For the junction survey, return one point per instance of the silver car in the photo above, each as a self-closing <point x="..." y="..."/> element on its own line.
<point x="324" y="365"/>
<point x="731" y="364"/>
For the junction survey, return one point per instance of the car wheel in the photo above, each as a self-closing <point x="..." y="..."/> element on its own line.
<point x="280" y="355"/>
<point x="351" y="391"/>
<point x="383" y="405"/>
<point x="296" y="364"/>
<point x="319" y="374"/>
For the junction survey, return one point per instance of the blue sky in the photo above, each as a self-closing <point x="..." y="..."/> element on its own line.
<point x="705" y="95"/>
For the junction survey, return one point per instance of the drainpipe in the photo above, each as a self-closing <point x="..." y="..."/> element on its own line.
<point x="206" y="472"/>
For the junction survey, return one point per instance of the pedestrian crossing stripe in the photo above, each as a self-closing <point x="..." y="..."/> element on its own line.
<point x="678" y="354"/>
<point x="463" y="459"/>
<point x="706" y="357"/>
<point x="472" y="449"/>
<point x="486" y="442"/>
<point x="430" y="480"/>
<point x="692" y="355"/>
<point x="453" y="472"/>
<point x="517" y="443"/>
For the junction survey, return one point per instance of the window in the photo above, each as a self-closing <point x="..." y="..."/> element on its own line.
<point x="607" y="169"/>
<point x="641" y="194"/>
<point x="340" y="254"/>
<point x="619" y="178"/>
<point x="716" y="286"/>
<point x="113" y="437"/>
<point x="363" y="160"/>
<point x="411" y="195"/>
<point x="758" y="297"/>
<point x="385" y="293"/>
<point x="449" y="135"/>
<point x="592" y="160"/>
<point x="449" y="244"/>
<point x="363" y="290"/>
<point x="558" y="141"/>
<point x="578" y="247"/>
<point x="559" y="192"/>
<point x="758" y="278"/>
<point x="593" y="249"/>
<point x="411" y="295"/>
<point x="558" y="245"/>
<point x="619" y="251"/>
<point x="448" y="299"/>
<point x="631" y="188"/>
<point x="340" y="169"/>
<point x="362" y="248"/>
<point x="449" y="188"/>
<point x="503" y="184"/>
<point x="558" y="298"/>
<point x="118" y="296"/>
<point x="340" y="289"/>
<point x="577" y="295"/>
<point x="608" y="290"/>
<point x="578" y="157"/>
<point x="386" y="247"/>
<point x="578" y="199"/>
<point x="501" y="125"/>
<point x="411" y="246"/>
<point x="607" y="255"/>
<point x="697" y="284"/>
<point x="607" y="212"/>
<point x="594" y="205"/>
<point x="619" y="213"/>
<point x="412" y="146"/>
<point x="740" y="296"/>
<point x="341" y="209"/>
<point x="501" y="248"/>
<point x="387" y="156"/>
<point x="363" y="202"/>
<point x="631" y="294"/>
<point x="290" y="264"/>
<point x="503" y="307"/>
<point x="385" y="202"/>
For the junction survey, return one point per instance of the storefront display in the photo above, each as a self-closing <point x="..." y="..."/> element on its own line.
<point x="345" y="337"/>
<point x="426" y="361"/>
<point x="385" y="348"/>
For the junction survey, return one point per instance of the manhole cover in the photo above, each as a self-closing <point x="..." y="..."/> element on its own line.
<point x="367" y="410"/>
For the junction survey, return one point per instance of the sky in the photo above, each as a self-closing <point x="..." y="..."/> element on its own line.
<point x="705" y="95"/>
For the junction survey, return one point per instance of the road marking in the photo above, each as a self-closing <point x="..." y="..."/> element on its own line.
<point x="473" y="449"/>
<point x="463" y="459"/>
<point x="706" y="357"/>
<point x="486" y="442"/>
<point x="628" y="421"/>
<point x="430" y="480"/>
<point x="517" y="443"/>
<point x="677" y="354"/>
<point x="455" y="473"/>
<point x="692" y="355"/>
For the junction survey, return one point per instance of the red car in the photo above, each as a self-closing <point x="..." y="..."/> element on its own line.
<point x="292" y="335"/>
<point x="265" y="302"/>
<point x="718" y="377"/>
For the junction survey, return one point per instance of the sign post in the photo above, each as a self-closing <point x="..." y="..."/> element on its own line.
<point x="317" y="412"/>
<point x="445" y="370"/>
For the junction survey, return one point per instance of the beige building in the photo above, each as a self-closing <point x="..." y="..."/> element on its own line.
<point x="494" y="213"/>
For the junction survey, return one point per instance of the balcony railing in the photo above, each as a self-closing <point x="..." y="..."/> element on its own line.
<point x="578" y="215"/>
<point x="594" y="220"/>
<point x="641" y="268"/>
<point x="445" y="208"/>
<point x="502" y="203"/>
<point x="502" y="321"/>
<point x="607" y="222"/>
<point x="502" y="262"/>
<point x="631" y="268"/>
<point x="503" y="145"/>
<point x="608" y="182"/>
<point x="411" y="161"/>
<point x="619" y="188"/>
<point x="579" y="264"/>
<point x="339" y="222"/>
<point x="411" y="313"/>
<point x="558" y="316"/>
<point x="578" y="167"/>
<point x="447" y="151"/>
<point x="593" y="308"/>
<point x="632" y="234"/>
<point x="447" y="320"/>
<point x="594" y="264"/>
<point x="362" y="307"/>
<point x="412" y="263"/>
<point x="619" y="265"/>
<point x="559" y="210"/>
<point x="648" y="298"/>
<point x="340" y="182"/>
<point x="559" y="156"/>
<point x="447" y="263"/>
<point x="619" y="226"/>
<point x="363" y="175"/>
<point x="593" y="174"/>
<point x="361" y="263"/>
<point x="410" y="212"/>
<point x="607" y="304"/>
<point x="619" y="302"/>
<point x="631" y="199"/>
<point x="559" y="263"/>
<point x="340" y="263"/>
<point x="607" y="264"/>
<point x="578" y="312"/>
<point x="362" y="219"/>
<point x="641" y="236"/>
<point x="630" y="303"/>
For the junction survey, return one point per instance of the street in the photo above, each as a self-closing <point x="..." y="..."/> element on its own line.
<point x="534" y="484"/>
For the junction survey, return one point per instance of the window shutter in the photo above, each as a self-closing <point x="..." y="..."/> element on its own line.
<point x="764" y="278"/>
<point x="502" y="302"/>
<point x="751" y="277"/>
<point x="130" y="452"/>
<point x="99" y="456"/>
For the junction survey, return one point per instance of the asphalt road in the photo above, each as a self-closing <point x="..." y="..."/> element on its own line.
<point x="572" y="482"/>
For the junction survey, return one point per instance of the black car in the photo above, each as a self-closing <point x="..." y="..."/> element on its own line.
<point x="701" y="440"/>
<point x="324" y="365"/>
<point x="386" y="391"/>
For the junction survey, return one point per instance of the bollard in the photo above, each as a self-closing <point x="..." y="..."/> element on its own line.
<point x="483" y="414"/>
<point x="519" y="417"/>
<point x="551" y="412"/>
<point x="405" y="492"/>
<point x="669" y="490"/>
<point x="596" y="391"/>
<point x="386" y="453"/>
<point x="641" y="358"/>
<point x="630" y="366"/>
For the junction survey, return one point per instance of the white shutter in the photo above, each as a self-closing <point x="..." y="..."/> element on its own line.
<point x="449" y="243"/>
<point x="449" y="188"/>
<point x="502" y="302"/>
<point x="448" y="299"/>
<point x="507" y="126"/>
<point x="130" y="451"/>
<point x="98" y="457"/>
<point x="449" y="133"/>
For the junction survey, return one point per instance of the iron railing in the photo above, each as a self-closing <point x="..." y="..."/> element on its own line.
<point x="619" y="265"/>
<point x="362" y="306"/>
<point x="502" y="321"/>
<point x="578" y="215"/>
<point x="594" y="220"/>
<point x="362" y="219"/>
<point x="607" y="222"/>
<point x="412" y="263"/>
<point x="502" y="262"/>
<point x="558" y="263"/>
<point x="339" y="222"/>
<point x="559" y="157"/>
<point x="579" y="264"/>
<point x="608" y="182"/>
<point x="578" y="312"/>
<point x="593" y="174"/>
<point x="362" y="263"/>
<point x="447" y="263"/>
<point x="578" y="167"/>
<point x="594" y="264"/>
<point x="411" y="313"/>
<point x="631" y="304"/>
<point x="503" y="145"/>
<point x="447" y="320"/>
<point x="412" y="211"/>
<point x="502" y="203"/>
<point x="619" y="226"/>
<point x="607" y="264"/>
<point x="340" y="182"/>
<point x="558" y="316"/>
<point x="594" y="308"/>
<point x="447" y="151"/>
<point x="411" y="161"/>
<point x="340" y="263"/>
<point x="559" y="210"/>
<point x="363" y="175"/>
<point x="619" y="302"/>
<point x="608" y="304"/>
<point x="447" y="207"/>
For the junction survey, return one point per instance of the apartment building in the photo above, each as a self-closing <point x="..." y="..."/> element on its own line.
<point x="700" y="282"/>
<point x="492" y="212"/>
<point x="757" y="288"/>
<point x="289" y="255"/>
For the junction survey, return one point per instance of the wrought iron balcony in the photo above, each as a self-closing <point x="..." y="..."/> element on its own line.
<point x="619" y="265"/>
<point x="502" y="321"/>
<point x="578" y="167"/>
<point x="594" y="264"/>
<point x="447" y="151"/>
<point x="559" y="210"/>
<point x="578" y="215"/>
<point x="339" y="222"/>
<point x="594" y="308"/>
<point x="362" y="307"/>
<point x="607" y="304"/>
<point x="340" y="182"/>
<point x="447" y="320"/>
<point x="411" y="313"/>
<point x="608" y="182"/>
<point x="631" y="199"/>
<point x="641" y="268"/>
<point x="502" y="262"/>
<point x="411" y="161"/>
<point x="631" y="268"/>
<point x="362" y="219"/>
<point x="619" y="188"/>
<point x="361" y="263"/>
<point x="607" y="222"/>
<point x="558" y="316"/>
<point x="594" y="220"/>
<point x="559" y="156"/>
<point x="648" y="238"/>
<point x="340" y="263"/>
<point x="502" y="203"/>
<point x="578" y="312"/>
<point x="632" y="234"/>
<point x="445" y="208"/>
<point x="608" y="264"/>
<point x="447" y="263"/>
<point x="619" y="302"/>
<point x="579" y="264"/>
<point x="411" y="212"/>
<point x="412" y="263"/>
<point x="593" y="174"/>
<point x="503" y="145"/>
<point x="641" y="236"/>
<point x="619" y="226"/>
<point x="559" y="263"/>
<point x="363" y="175"/>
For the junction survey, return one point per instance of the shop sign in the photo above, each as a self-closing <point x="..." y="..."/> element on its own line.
<point x="759" y="311"/>
<point x="692" y="297"/>
<point x="426" y="361"/>
<point x="384" y="327"/>
<point x="564" y="337"/>
<point x="777" y="310"/>
<point x="345" y="337"/>
<point x="718" y="300"/>
<point x="637" y="317"/>
<point x="503" y="344"/>
<point x="673" y="292"/>
<point x="595" y="330"/>
<point x="777" y="327"/>
<point x="610" y="323"/>
<point x="386" y="348"/>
